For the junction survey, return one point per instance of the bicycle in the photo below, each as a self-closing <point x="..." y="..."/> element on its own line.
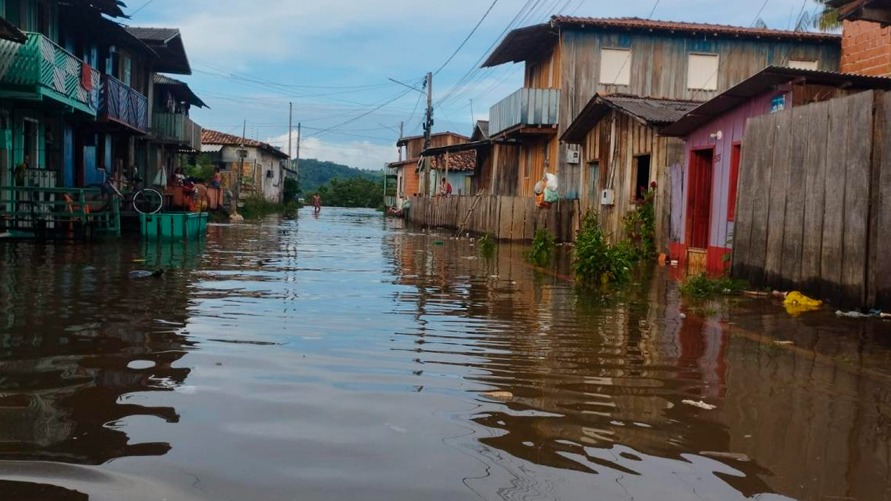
<point x="143" y="200"/>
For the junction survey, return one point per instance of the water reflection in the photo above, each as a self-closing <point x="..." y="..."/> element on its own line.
<point x="79" y="352"/>
<point x="345" y="356"/>
<point x="597" y="384"/>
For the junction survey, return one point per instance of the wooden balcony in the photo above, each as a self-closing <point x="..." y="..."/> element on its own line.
<point x="40" y="69"/>
<point x="176" y="128"/>
<point x="526" y="110"/>
<point x="121" y="104"/>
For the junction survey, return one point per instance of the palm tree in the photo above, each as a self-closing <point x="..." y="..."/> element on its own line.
<point x="827" y="18"/>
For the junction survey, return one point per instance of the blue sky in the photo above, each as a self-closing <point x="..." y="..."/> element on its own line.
<point x="333" y="59"/>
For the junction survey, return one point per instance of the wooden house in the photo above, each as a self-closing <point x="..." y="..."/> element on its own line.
<point x="408" y="175"/>
<point x="73" y="93"/>
<point x="704" y="186"/>
<point x="467" y="165"/>
<point x="172" y="131"/>
<point x="570" y="59"/>
<point x="619" y="148"/>
<point x="262" y="166"/>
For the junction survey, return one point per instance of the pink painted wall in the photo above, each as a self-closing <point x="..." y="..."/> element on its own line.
<point x="733" y="127"/>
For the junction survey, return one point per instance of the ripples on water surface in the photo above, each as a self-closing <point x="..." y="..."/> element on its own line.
<point x="343" y="357"/>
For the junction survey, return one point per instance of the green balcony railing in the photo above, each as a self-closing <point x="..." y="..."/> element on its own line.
<point x="40" y="68"/>
<point x="176" y="128"/>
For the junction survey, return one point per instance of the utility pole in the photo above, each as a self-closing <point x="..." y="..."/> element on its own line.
<point x="290" y="129"/>
<point x="297" y="163"/>
<point x="428" y="127"/>
<point x="241" y="154"/>
<point x="401" y="125"/>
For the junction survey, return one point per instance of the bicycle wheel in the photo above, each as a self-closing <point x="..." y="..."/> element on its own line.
<point x="147" y="201"/>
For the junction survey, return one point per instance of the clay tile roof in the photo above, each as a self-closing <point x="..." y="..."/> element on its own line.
<point x="532" y="42"/>
<point x="636" y="23"/>
<point x="459" y="161"/>
<point x="209" y="136"/>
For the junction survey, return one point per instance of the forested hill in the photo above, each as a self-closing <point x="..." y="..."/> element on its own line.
<point x="315" y="173"/>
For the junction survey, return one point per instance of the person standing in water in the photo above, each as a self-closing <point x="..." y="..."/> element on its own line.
<point x="316" y="203"/>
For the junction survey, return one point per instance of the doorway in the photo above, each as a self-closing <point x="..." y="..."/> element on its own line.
<point x="699" y="198"/>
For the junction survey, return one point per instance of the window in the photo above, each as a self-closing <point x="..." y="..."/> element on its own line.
<point x="735" y="155"/>
<point x="702" y="72"/>
<point x="803" y="64"/>
<point x="615" y="66"/>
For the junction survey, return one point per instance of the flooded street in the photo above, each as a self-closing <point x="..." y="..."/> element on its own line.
<point x="343" y="357"/>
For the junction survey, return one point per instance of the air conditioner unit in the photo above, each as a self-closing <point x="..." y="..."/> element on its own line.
<point x="608" y="197"/>
<point x="572" y="156"/>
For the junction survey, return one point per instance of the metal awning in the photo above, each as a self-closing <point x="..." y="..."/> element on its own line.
<point x="211" y="148"/>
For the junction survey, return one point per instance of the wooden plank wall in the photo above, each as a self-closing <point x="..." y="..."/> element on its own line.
<point x="506" y="218"/>
<point x="613" y="144"/>
<point x="804" y="217"/>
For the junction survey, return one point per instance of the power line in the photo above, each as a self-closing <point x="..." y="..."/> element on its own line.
<point x="141" y="7"/>
<point x="363" y="115"/>
<point x="461" y="46"/>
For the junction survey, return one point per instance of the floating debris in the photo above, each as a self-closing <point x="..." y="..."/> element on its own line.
<point x="735" y="456"/>
<point x="499" y="395"/>
<point x="700" y="404"/>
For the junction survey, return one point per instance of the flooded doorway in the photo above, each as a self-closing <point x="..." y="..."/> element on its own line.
<point x="699" y="198"/>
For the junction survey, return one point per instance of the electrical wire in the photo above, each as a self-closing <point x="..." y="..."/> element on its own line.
<point x="461" y="46"/>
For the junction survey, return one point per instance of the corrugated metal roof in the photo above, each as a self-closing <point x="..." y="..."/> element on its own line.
<point x="182" y="90"/>
<point x="9" y="31"/>
<point x="648" y="111"/>
<point x="481" y="131"/>
<point x="534" y="42"/>
<point x="869" y="10"/>
<point x="763" y="81"/>
<point x="209" y="136"/>
<point x="168" y="44"/>
<point x="161" y="35"/>
<point x="211" y="148"/>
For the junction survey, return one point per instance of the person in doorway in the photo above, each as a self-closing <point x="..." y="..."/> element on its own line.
<point x="445" y="188"/>
<point x="20" y="170"/>
<point x="316" y="203"/>
<point x="216" y="191"/>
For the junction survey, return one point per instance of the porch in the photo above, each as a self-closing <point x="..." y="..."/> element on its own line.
<point x="40" y="69"/>
<point x="176" y="128"/>
<point x="45" y="212"/>
<point x="526" y="111"/>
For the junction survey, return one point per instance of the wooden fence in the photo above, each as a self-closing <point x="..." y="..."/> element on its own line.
<point x="814" y="201"/>
<point x="506" y="218"/>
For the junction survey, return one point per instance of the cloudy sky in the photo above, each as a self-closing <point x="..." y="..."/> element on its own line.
<point x="333" y="59"/>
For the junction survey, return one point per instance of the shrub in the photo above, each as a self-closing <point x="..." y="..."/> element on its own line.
<point x="487" y="245"/>
<point x="595" y="262"/>
<point x="640" y="225"/>
<point x="703" y="287"/>
<point x="543" y="246"/>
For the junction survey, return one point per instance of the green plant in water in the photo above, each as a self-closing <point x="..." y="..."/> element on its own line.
<point x="487" y="245"/>
<point x="543" y="246"/>
<point x="640" y="225"/>
<point x="703" y="287"/>
<point x="257" y="207"/>
<point x="595" y="262"/>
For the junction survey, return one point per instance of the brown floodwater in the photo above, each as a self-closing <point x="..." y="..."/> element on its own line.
<point x="344" y="357"/>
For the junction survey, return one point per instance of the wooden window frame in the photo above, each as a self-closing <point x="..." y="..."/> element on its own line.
<point x="625" y="68"/>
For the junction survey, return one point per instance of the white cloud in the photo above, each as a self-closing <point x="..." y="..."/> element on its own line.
<point x="359" y="154"/>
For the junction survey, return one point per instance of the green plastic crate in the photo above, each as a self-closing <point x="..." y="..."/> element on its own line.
<point x="174" y="225"/>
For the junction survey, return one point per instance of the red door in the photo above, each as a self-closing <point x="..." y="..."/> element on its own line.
<point x="699" y="198"/>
